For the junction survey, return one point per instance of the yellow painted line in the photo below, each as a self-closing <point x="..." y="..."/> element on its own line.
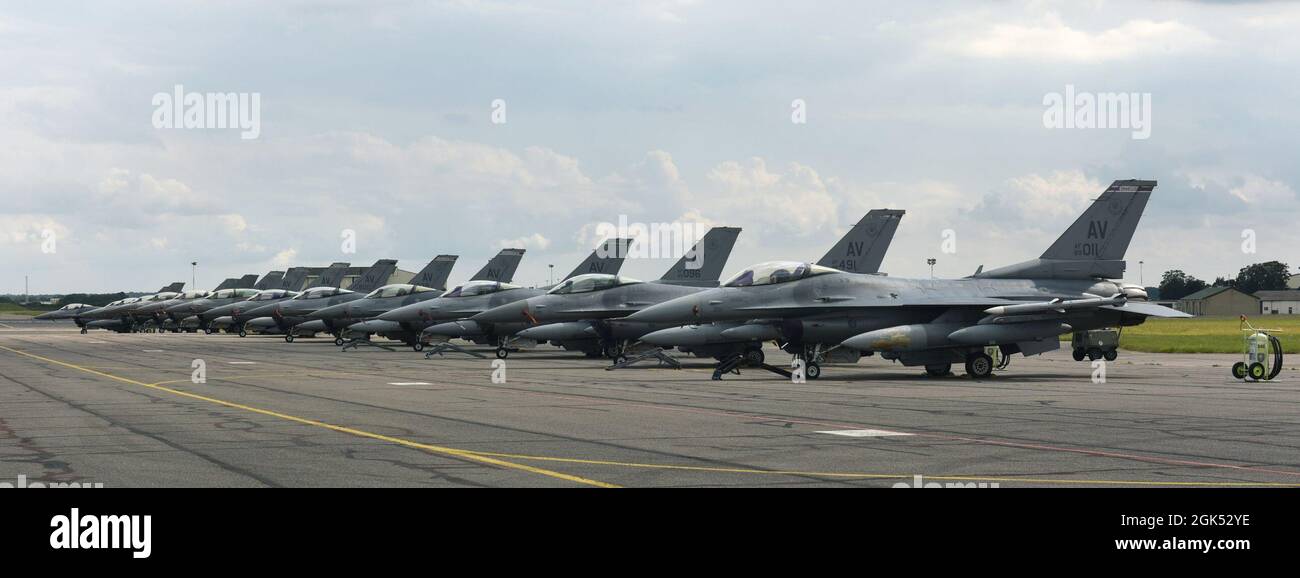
<point x="472" y="456"/>
<point x="856" y="475"/>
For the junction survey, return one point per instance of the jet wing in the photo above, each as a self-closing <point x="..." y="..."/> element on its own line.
<point x="1148" y="309"/>
<point x="850" y="303"/>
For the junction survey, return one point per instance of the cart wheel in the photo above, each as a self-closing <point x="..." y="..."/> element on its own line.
<point x="1257" y="371"/>
<point x="1239" y="370"/>
<point x="1110" y="354"/>
<point x="1094" y="353"/>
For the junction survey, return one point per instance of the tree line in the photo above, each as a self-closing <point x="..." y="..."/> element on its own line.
<point x="1270" y="276"/>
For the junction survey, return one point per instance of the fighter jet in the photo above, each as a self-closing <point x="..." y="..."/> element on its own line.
<point x="577" y="314"/>
<point x="192" y="313"/>
<point x="934" y="323"/>
<point x="447" y="316"/>
<point x="427" y="284"/>
<point x="121" y="315"/>
<point x="861" y="250"/>
<point x="285" y="315"/>
<point x="232" y="317"/>
<point x="74" y="311"/>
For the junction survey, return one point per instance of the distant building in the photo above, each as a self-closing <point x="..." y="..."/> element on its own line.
<point x="1279" y="302"/>
<point x="1219" y="301"/>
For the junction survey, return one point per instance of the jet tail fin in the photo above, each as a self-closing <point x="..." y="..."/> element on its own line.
<point x="375" y="276"/>
<point x="607" y="258"/>
<point x="333" y="275"/>
<point x="702" y="265"/>
<point x="269" y="281"/>
<point x="246" y="282"/>
<point x="1094" y="246"/>
<point x="227" y="284"/>
<point x="294" y="279"/>
<point x="863" y="248"/>
<point x="500" y="268"/>
<point x="173" y="288"/>
<point x="434" y="275"/>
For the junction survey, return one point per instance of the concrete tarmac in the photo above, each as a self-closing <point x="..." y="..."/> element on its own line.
<point x="124" y="410"/>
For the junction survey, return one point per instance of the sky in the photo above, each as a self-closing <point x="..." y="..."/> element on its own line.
<point x="383" y="118"/>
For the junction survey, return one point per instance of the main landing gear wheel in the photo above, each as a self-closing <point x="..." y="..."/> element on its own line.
<point x="755" y="357"/>
<point x="83" y="330"/>
<point x="938" y="369"/>
<point x="502" y="353"/>
<point x="979" y="365"/>
<point x="338" y="341"/>
<point x="243" y="333"/>
<point x="288" y="338"/>
<point x="207" y="331"/>
<point x="418" y="346"/>
<point x="812" y="370"/>
<point x="1239" y="370"/>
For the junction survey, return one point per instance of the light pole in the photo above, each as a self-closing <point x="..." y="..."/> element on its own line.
<point x="931" y="261"/>
<point x="194" y="272"/>
<point x="550" y="275"/>
<point x="1141" y="276"/>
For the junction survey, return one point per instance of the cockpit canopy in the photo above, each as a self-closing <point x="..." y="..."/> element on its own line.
<point x="590" y="282"/>
<point x="270" y="294"/>
<point x="233" y="294"/>
<point x="193" y="295"/>
<point x="773" y="272"/>
<point x="399" y="290"/>
<point x="74" y="306"/>
<point x="479" y="288"/>
<point x="320" y="293"/>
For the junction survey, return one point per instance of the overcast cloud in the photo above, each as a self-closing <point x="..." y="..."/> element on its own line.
<point x="376" y="117"/>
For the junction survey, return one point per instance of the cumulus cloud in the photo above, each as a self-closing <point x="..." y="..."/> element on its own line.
<point x="1051" y="39"/>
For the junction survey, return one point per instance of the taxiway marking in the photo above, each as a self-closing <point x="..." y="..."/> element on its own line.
<point x="864" y="433"/>
<point x="447" y="451"/>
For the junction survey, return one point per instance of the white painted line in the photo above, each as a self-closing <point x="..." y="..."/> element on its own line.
<point x="152" y="350"/>
<point x="99" y="342"/>
<point x="865" y="433"/>
<point x="243" y="363"/>
<point x="408" y="383"/>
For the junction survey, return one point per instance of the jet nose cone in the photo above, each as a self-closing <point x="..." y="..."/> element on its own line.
<point x="679" y="310"/>
<point x="510" y="312"/>
<point x="44" y="316"/>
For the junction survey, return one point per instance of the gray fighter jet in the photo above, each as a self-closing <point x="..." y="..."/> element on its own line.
<point x="232" y="317"/>
<point x="121" y="315"/>
<point x="285" y="315"/>
<point x="1021" y="308"/>
<point x="191" y="313"/>
<point x="861" y="250"/>
<point x="446" y="316"/>
<point x="427" y="284"/>
<point x="74" y="311"/>
<point x="577" y="313"/>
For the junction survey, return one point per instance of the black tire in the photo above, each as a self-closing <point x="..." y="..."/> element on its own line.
<point x="207" y="331"/>
<point x="979" y="365"/>
<point x="502" y="353"/>
<point x="83" y="330"/>
<point x="1239" y="370"/>
<point x="1110" y="354"/>
<point x="938" y="369"/>
<point x="418" y="346"/>
<point x="755" y="357"/>
<point x="1078" y="354"/>
<point x="1094" y="353"/>
<point x="812" y="370"/>
<point x="338" y="341"/>
<point x="1257" y="371"/>
<point x="288" y="338"/>
<point x="620" y="358"/>
<point x="243" y="333"/>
